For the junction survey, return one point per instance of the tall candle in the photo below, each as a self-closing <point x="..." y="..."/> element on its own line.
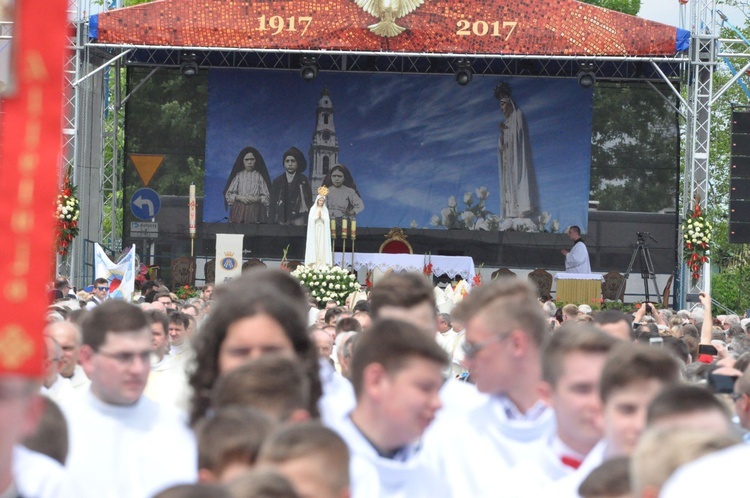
<point x="354" y="229"/>
<point x="343" y="228"/>
<point x="191" y="216"/>
<point x="333" y="228"/>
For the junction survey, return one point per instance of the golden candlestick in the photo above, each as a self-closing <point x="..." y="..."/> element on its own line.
<point x="353" y="234"/>
<point x="333" y="236"/>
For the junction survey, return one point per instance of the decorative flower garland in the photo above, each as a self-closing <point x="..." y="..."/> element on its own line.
<point x="67" y="214"/>
<point x="696" y="230"/>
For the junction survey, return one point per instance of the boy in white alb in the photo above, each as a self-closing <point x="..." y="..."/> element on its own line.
<point x="572" y="364"/>
<point x="632" y="377"/>
<point x="121" y="442"/>
<point x="505" y="330"/>
<point x="396" y="373"/>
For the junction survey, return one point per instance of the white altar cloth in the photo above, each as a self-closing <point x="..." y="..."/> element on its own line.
<point x="450" y="265"/>
<point x="578" y="276"/>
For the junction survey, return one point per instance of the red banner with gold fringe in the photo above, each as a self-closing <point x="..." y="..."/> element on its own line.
<point x="30" y="148"/>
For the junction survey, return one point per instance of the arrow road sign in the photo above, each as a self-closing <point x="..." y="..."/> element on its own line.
<point x="145" y="204"/>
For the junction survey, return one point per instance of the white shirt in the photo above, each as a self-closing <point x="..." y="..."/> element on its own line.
<point x="567" y="487"/>
<point x="37" y="475"/>
<point x="60" y="391"/>
<point x="181" y="355"/>
<point x="476" y="450"/>
<point x="403" y="476"/>
<point x="717" y="474"/>
<point x="168" y="384"/>
<point x="79" y="380"/>
<point x="577" y="259"/>
<point x="127" y="451"/>
<point x="338" y="397"/>
<point x="531" y="476"/>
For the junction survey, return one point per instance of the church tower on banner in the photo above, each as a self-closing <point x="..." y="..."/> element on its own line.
<point x="324" y="150"/>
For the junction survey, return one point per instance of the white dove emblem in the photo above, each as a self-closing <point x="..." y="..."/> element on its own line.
<point x="388" y="11"/>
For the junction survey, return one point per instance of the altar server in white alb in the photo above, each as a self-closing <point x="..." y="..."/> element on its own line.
<point x="474" y="449"/>
<point x="397" y="375"/>
<point x="577" y="259"/>
<point x="572" y="363"/>
<point x="121" y="442"/>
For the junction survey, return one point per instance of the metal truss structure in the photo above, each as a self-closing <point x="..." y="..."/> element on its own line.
<point x="692" y="71"/>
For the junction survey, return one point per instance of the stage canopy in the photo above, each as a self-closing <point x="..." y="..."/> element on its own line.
<point x="606" y="157"/>
<point x="495" y="27"/>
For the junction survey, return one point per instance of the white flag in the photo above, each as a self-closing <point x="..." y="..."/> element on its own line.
<point x="121" y="275"/>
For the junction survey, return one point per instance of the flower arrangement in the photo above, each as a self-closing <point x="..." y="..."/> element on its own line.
<point x="427" y="266"/>
<point x="327" y="283"/>
<point x="68" y="210"/>
<point x="186" y="292"/>
<point x="696" y="230"/>
<point x="476" y="281"/>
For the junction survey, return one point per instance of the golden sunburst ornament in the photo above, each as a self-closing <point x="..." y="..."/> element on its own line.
<point x="388" y="11"/>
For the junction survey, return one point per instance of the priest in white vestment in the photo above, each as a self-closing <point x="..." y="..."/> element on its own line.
<point x="577" y="259"/>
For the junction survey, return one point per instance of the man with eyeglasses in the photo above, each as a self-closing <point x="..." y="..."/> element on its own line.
<point x="68" y="335"/>
<point x="98" y="294"/>
<point x="54" y="386"/>
<point x="119" y="439"/>
<point x="505" y="330"/>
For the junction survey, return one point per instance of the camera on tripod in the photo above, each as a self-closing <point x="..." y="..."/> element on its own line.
<point x="642" y="236"/>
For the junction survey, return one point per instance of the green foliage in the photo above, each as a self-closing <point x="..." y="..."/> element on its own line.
<point x="625" y="6"/>
<point x="730" y="288"/>
<point x="632" y="158"/>
<point x="731" y="259"/>
<point x="168" y="116"/>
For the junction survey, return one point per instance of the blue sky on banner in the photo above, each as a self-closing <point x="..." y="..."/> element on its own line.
<point x="410" y="141"/>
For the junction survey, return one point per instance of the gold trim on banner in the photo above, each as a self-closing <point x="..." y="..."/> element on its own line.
<point x="15" y="347"/>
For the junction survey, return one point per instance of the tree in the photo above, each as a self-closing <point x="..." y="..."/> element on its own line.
<point x="625" y="6"/>
<point x="634" y="149"/>
<point x="731" y="261"/>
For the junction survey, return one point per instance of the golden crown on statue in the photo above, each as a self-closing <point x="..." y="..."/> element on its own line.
<point x="323" y="191"/>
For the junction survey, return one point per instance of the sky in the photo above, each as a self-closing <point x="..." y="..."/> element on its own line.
<point x="668" y="12"/>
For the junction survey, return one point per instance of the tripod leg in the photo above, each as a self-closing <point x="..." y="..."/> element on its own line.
<point x="650" y="266"/>
<point x="627" y="274"/>
<point x="644" y="276"/>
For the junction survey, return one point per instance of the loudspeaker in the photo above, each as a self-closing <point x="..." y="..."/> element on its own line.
<point x="740" y="166"/>
<point x="740" y="210"/>
<point x="739" y="189"/>
<point x="739" y="179"/>
<point x="739" y="233"/>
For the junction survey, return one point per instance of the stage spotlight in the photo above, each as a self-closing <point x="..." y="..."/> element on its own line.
<point x="464" y="72"/>
<point x="308" y="68"/>
<point x="586" y="76"/>
<point x="188" y="66"/>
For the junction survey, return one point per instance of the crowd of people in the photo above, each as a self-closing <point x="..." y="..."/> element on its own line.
<point x="254" y="389"/>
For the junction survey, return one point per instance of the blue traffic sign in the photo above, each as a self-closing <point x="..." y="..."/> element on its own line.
<point x="145" y="203"/>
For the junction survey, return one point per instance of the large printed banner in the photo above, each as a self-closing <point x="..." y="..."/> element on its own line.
<point x="537" y="27"/>
<point x="411" y="151"/>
